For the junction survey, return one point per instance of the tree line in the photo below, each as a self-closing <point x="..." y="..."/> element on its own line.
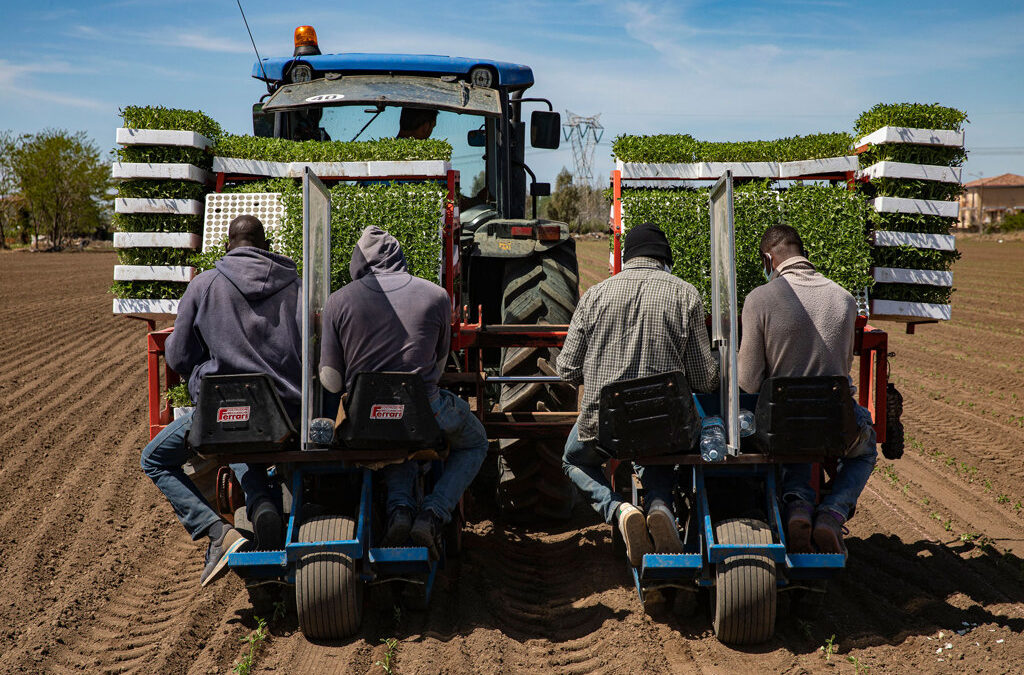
<point x="54" y="185"/>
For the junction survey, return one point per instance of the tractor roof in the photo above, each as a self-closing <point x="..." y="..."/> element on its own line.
<point x="510" y="75"/>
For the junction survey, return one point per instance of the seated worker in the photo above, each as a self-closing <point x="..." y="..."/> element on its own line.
<point x="419" y="123"/>
<point x="388" y="320"/>
<point x="640" y="322"/>
<point x="800" y="324"/>
<point x="241" y="317"/>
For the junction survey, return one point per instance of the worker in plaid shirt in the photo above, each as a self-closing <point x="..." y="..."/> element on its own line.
<point x="643" y="321"/>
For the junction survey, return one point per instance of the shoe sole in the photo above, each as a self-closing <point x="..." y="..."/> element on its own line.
<point x="633" y="527"/>
<point x="827" y="541"/>
<point x="663" y="531"/>
<point x="421" y="538"/>
<point x="222" y="564"/>
<point x="798" y="532"/>
<point x="396" y="539"/>
<point x="267" y="530"/>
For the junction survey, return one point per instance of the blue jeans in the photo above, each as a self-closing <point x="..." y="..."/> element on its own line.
<point x="852" y="476"/>
<point x="582" y="464"/>
<point x="162" y="460"/>
<point x="468" y="448"/>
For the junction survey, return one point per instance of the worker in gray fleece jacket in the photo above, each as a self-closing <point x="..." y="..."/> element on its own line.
<point x="241" y="317"/>
<point x="387" y="320"/>
<point x="801" y="324"/>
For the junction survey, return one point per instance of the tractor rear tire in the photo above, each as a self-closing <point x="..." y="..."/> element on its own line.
<point x="540" y="289"/>
<point x="328" y="591"/>
<point x="743" y="603"/>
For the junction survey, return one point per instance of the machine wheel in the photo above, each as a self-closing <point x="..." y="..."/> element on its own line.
<point x="893" y="446"/>
<point x="328" y="591"/>
<point x="540" y="289"/>
<point x="743" y="603"/>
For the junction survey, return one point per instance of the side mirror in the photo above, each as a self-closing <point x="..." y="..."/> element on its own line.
<point x="262" y="123"/>
<point x="545" y="129"/>
<point x="540" y="189"/>
<point x="477" y="138"/>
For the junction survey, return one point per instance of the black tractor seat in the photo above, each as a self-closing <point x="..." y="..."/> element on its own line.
<point x="647" y="417"/>
<point x="388" y="416"/>
<point x="805" y="417"/>
<point x="240" y="414"/>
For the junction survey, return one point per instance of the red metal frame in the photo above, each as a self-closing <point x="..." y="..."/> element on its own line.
<point x="159" y="417"/>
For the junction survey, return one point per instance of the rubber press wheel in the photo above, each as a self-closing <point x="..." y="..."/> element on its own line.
<point x="743" y="603"/>
<point x="540" y="289"/>
<point x="328" y="591"/>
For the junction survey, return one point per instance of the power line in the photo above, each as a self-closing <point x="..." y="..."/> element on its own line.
<point x="584" y="133"/>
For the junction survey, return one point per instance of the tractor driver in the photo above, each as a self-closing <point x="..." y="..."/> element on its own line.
<point x="643" y="321"/>
<point x="802" y="324"/>
<point x="388" y="320"/>
<point x="241" y="317"/>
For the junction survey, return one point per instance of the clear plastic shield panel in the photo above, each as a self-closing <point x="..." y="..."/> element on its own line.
<point x="723" y="304"/>
<point x="316" y="286"/>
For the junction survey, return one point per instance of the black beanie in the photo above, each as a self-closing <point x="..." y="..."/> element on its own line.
<point x="647" y="239"/>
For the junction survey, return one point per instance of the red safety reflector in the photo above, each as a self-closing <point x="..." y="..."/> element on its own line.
<point x="549" y="232"/>
<point x="522" y="231"/>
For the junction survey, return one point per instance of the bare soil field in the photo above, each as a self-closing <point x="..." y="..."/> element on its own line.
<point x="96" y="574"/>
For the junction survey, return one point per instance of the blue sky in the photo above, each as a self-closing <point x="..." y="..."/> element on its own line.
<point x="716" y="70"/>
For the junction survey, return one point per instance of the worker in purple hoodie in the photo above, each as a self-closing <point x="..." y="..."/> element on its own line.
<point x="241" y="317"/>
<point x="388" y="320"/>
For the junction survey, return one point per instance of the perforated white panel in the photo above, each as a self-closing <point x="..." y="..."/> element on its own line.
<point x="222" y="208"/>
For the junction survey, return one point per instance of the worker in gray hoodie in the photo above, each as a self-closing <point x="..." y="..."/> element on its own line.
<point x="387" y="320"/>
<point x="241" y="317"/>
<point x="801" y="324"/>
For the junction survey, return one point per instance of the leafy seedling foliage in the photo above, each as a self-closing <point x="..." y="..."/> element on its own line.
<point x="683" y="148"/>
<point x="157" y="255"/>
<point x="255" y="641"/>
<point x="829" y="648"/>
<point x="161" y="189"/>
<point x="163" y="154"/>
<point x="155" y="290"/>
<point x="178" y="396"/>
<point x="387" y="663"/>
<point x="158" y="117"/>
<point x="914" y="115"/>
<point x="283" y="150"/>
<point x="157" y="222"/>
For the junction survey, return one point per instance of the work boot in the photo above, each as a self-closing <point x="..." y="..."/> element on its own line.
<point x="399" y="525"/>
<point x="798" y="526"/>
<point x="217" y="554"/>
<point x="633" y="528"/>
<point x="661" y="523"/>
<point x="829" y="531"/>
<point x="426" y="531"/>
<point x="267" y="526"/>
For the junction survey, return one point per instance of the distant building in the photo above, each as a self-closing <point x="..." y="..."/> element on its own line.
<point x="987" y="201"/>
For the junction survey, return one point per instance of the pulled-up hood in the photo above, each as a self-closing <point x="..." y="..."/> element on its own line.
<point x="256" y="273"/>
<point x="377" y="252"/>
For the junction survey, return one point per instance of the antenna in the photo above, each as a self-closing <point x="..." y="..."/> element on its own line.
<point x="258" y="59"/>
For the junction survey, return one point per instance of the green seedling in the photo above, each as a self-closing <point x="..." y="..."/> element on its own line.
<point x="1002" y="498"/>
<point x="158" y="117"/>
<point x="387" y="663"/>
<point x="178" y="396"/>
<point x="861" y="668"/>
<point x="829" y="648"/>
<point x="255" y="640"/>
<point x="684" y="148"/>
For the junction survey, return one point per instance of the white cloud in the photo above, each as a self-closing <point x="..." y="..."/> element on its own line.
<point x="13" y="78"/>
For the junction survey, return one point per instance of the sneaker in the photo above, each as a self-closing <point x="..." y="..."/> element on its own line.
<point x="633" y="528"/>
<point x="426" y="531"/>
<point x="829" y="531"/>
<point x="218" y="552"/>
<point x="661" y="523"/>
<point x="267" y="526"/>
<point x="399" y="526"/>
<point x="798" y="526"/>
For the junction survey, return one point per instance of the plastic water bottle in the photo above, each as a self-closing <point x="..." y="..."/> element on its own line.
<point x="712" y="439"/>
<point x="747" y="426"/>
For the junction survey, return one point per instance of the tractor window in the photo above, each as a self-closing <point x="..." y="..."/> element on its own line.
<point x="346" y="123"/>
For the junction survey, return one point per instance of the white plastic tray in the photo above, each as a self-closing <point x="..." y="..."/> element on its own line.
<point x="893" y="275"/>
<point x="192" y="207"/>
<point x="930" y="207"/>
<point x="154" y="273"/>
<point x="940" y="242"/>
<point x="942" y="137"/>
<point x="156" y="239"/>
<point x="150" y="309"/>
<point x="897" y="310"/>
<point x="252" y="167"/>
<point x="942" y="174"/>
<point x="184" y="139"/>
<point x="124" y="170"/>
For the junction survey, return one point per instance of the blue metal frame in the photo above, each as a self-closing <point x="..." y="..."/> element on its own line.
<point x="410" y="564"/>
<point x="510" y="75"/>
<point x="696" y="565"/>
